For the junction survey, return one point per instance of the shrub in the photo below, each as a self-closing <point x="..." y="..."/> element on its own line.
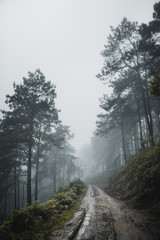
<point x="78" y="185"/>
<point x="39" y="220"/>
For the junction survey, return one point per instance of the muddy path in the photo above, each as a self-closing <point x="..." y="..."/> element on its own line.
<point x="103" y="217"/>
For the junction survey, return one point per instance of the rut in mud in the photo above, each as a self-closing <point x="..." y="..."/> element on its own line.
<point x="98" y="222"/>
<point x="107" y="218"/>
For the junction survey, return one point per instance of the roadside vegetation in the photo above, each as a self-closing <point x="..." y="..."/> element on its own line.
<point x="138" y="181"/>
<point x="38" y="221"/>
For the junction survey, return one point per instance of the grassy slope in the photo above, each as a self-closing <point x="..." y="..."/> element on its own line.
<point x="138" y="181"/>
<point x="39" y="220"/>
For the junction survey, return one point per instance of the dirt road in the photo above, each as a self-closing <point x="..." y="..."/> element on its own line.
<point x="105" y="218"/>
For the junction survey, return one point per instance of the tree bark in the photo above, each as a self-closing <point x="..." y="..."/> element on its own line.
<point x="37" y="171"/>
<point x="18" y="189"/>
<point x="149" y="124"/>
<point x="15" y="186"/>
<point x="150" y="115"/>
<point x="139" y="121"/>
<point x="123" y="139"/>
<point x="23" y="195"/>
<point x="55" y="172"/>
<point x="5" y="202"/>
<point x="29" y="199"/>
<point x="29" y="167"/>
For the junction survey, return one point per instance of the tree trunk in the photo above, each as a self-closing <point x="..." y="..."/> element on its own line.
<point x="132" y="147"/>
<point x="15" y="186"/>
<point x="149" y="124"/>
<point x="139" y="121"/>
<point x="18" y="189"/>
<point x="63" y="178"/>
<point x="150" y="115"/>
<point x="123" y="139"/>
<point x="23" y="195"/>
<point x="37" y="171"/>
<point x="136" y="140"/>
<point x="55" y="173"/>
<point x="5" y="203"/>
<point x="29" y="167"/>
<point x="29" y="199"/>
<point x="158" y="118"/>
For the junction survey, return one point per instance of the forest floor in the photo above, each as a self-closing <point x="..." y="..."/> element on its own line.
<point x="103" y="217"/>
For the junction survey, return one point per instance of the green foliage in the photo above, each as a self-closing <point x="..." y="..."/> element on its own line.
<point x="145" y="167"/>
<point x="32" y="114"/>
<point x="139" y="179"/>
<point x="155" y="84"/>
<point x="78" y="186"/>
<point x="39" y="220"/>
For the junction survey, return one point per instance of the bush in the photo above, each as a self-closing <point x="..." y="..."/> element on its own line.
<point x="77" y="185"/>
<point x="39" y="220"/>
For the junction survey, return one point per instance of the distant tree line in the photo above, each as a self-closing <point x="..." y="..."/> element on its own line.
<point x="130" y="119"/>
<point x="36" y="157"/>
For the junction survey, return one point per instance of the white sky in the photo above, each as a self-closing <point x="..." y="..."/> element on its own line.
<point x="64" y="39"/>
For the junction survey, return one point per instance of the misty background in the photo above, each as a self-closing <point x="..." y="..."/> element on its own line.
<point x="63" y="38"/>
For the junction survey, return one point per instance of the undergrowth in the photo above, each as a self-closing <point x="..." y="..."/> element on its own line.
<point x="38" y="221"/>
<point x="139" y="179"/>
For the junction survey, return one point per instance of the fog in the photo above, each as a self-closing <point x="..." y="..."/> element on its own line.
<point x="64" y="39"/>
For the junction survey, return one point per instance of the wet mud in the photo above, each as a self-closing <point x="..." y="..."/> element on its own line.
<point x="98" y="222"/>
<point x="103" y="217"/>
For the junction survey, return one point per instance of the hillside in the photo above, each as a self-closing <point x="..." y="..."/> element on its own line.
<point x="138" y="181"/>
<point x="38" y="221"/>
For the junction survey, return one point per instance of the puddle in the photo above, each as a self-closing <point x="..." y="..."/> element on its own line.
<point x="89" y="214"/>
